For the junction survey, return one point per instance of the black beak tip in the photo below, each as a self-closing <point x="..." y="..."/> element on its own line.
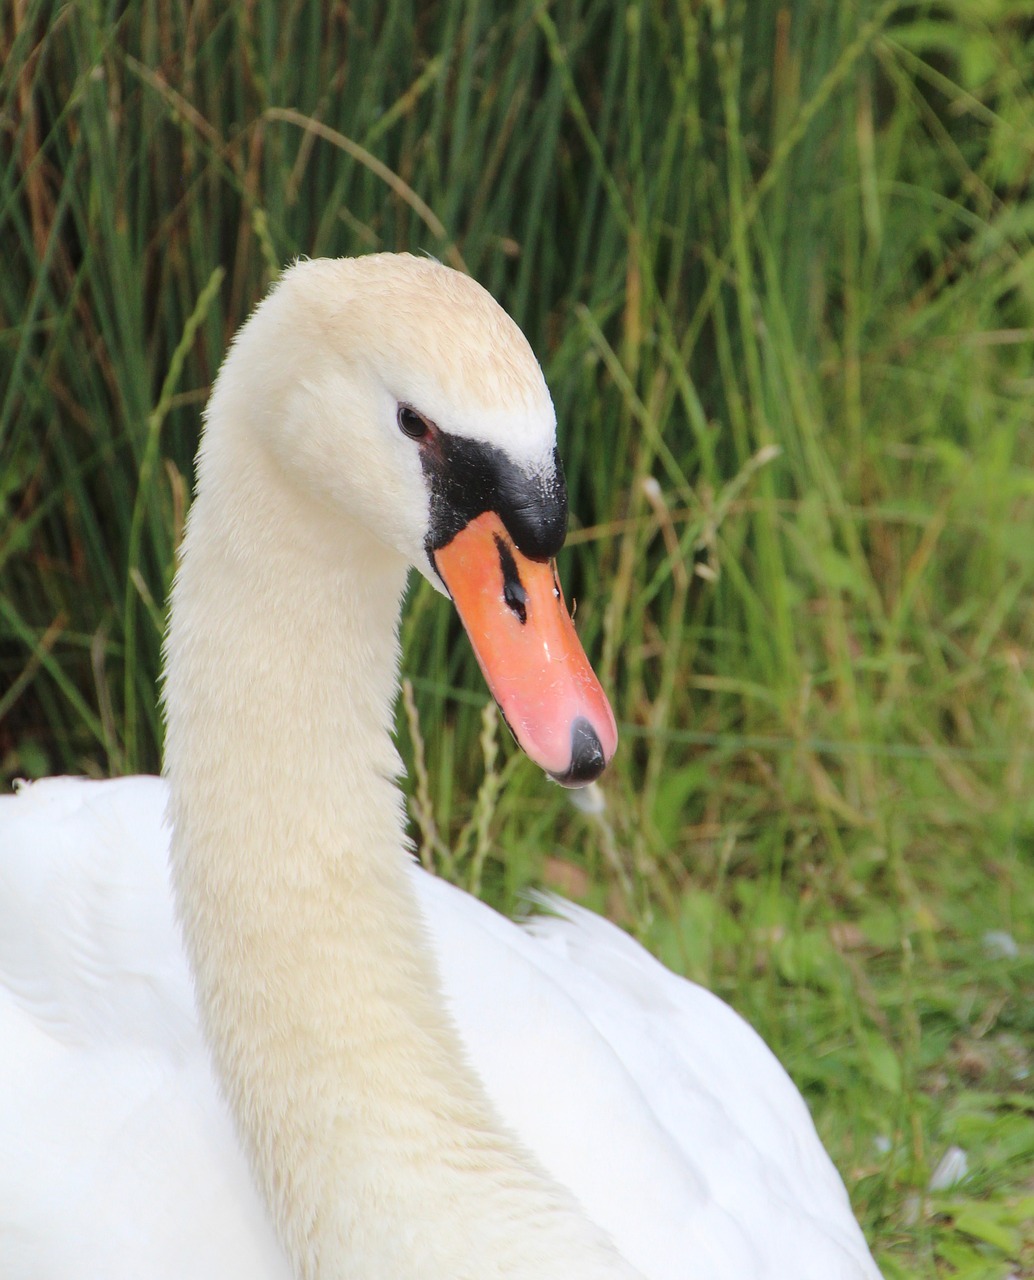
<point x="587" y="758"/>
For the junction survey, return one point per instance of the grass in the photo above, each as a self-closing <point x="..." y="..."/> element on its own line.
<point x="777" y="263"/>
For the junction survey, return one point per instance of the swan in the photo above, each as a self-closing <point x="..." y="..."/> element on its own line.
<point x="242" y="1034"/>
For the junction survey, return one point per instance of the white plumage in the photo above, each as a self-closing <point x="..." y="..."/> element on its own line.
<point x="597" y="1115"/>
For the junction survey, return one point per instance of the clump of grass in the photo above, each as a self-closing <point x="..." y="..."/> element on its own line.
<point x="777" y="262"/>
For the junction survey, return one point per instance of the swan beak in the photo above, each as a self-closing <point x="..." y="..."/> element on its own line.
<point x="514" y="613"/>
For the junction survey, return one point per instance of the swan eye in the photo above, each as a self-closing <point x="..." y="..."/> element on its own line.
<point x="411" y="423"/>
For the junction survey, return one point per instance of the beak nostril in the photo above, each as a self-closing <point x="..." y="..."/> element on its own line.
<point x="513" y="589"/>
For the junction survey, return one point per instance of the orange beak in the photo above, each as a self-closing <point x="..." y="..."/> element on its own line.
<point x="526" y="645"/>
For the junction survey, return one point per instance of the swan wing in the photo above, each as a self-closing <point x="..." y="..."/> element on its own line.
<point x="117" y="1156"/>
<point x="650" y="1098"/>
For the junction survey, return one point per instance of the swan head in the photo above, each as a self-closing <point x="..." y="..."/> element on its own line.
<point x="396" y="393"/>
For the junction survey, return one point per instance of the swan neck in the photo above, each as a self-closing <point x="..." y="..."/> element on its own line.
<point x="375" y="1147"/>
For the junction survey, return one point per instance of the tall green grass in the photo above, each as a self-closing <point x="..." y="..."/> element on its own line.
<point x="776" y="260"/>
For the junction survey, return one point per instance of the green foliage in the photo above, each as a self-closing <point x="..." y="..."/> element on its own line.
<point x="776" y="259"/>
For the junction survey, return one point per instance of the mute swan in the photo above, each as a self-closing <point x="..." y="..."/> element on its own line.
<point x="422" y="1090"/>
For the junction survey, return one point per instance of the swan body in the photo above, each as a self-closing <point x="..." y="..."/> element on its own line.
<point x="241" y="1034"/>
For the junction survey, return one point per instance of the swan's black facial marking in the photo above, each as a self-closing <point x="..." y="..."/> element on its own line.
<point x="513" y="589"/>
<point x="467" y="478"/>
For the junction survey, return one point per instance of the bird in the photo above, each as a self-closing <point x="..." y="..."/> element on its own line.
<point x="242" y="1032"/>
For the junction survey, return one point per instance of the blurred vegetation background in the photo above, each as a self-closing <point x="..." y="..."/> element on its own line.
<point x="776" y="259"/>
